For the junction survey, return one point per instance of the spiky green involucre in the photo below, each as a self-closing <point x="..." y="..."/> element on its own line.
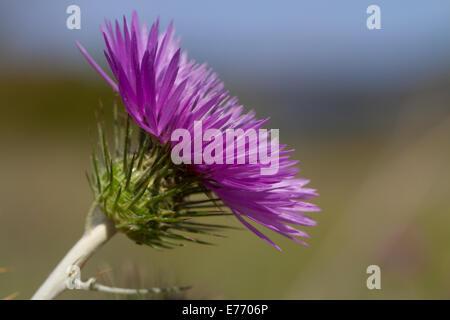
<point x="149" y="198"/>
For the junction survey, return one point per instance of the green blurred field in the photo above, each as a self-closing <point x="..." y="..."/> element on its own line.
<point x="385" y="198"/>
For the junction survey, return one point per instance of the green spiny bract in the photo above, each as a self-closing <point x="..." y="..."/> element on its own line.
<point x="149" y="198"/>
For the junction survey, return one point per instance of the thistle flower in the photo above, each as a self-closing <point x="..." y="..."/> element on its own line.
<point x="162" y="90"/>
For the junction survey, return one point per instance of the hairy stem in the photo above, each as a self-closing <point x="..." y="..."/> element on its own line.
<point x="93" y="285"/>
<point x="99" y="229"/>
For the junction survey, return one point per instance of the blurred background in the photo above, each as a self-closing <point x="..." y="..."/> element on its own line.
<point x="368" y="112"/>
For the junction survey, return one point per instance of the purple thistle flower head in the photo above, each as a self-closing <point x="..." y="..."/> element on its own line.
<point x="162" y="90"/>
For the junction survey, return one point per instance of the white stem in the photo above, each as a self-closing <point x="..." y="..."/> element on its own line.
<point x="100" y="230"/>
<point x="133" y="292"/>
<point x="93" y="285"/>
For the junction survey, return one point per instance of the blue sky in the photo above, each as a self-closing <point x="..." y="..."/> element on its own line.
<point x="271" y="40"/>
